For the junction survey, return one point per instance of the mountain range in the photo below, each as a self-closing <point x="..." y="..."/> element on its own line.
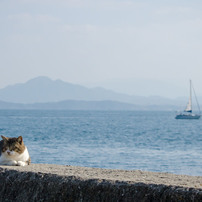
<point x="42" y="92"/>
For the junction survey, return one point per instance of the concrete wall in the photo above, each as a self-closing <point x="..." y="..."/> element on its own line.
<point x="37" y="186"/>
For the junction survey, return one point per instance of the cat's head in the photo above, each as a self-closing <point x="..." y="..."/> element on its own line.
<point x="12" y="146"/>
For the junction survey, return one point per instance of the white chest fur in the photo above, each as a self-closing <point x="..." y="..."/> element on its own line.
<point x="15" y="159"/>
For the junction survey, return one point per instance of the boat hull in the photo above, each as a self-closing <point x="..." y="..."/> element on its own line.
<point x="188" y="116"/>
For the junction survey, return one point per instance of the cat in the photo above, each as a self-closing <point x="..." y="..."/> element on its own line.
<point x="13" y="152"/>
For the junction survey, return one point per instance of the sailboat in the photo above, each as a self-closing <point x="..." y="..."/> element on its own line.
<point x="187" y="114"/>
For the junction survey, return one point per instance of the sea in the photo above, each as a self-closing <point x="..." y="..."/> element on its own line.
<point x="131" y="140"/>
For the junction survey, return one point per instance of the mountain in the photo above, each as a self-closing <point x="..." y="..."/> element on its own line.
<point x="45" y="90"/>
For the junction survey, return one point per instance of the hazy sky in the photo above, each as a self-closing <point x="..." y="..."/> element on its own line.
<point x="102" y="41"/>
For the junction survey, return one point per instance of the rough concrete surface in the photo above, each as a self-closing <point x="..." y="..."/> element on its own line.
<point x="42" y="182"/>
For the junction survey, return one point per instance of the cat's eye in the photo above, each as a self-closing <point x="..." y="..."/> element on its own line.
<point x="4" y="149"/>
<point x="16" y="149"/>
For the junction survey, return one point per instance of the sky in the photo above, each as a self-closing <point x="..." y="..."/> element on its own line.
<point x="132" y="46"/>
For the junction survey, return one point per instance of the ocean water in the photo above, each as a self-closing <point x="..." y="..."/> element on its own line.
<point x="143" y="140"/>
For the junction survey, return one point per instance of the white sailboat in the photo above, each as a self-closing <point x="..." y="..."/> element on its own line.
<point x="187" y="114"/>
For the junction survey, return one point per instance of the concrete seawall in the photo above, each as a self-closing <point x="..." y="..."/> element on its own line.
<point x="41" y="182"/>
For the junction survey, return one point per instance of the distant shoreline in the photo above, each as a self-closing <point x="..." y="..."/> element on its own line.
<point x="106" y="105"/>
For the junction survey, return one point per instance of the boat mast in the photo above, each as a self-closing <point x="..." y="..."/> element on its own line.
<point x="190" y="97"/>
<point x="189" y="105"/>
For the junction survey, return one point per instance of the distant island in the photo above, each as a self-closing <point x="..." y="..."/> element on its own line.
<point x="71" y="105"/>
<point x="44" y="93"/>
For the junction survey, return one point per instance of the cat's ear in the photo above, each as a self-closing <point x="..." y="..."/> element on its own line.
<point x="19" y="139"/>
<point x="4" y="138"/>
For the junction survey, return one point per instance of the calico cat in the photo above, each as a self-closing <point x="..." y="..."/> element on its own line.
<point x="13" y="152"/>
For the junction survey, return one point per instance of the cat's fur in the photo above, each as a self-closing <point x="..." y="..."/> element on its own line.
<point x="13" y="152"/>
